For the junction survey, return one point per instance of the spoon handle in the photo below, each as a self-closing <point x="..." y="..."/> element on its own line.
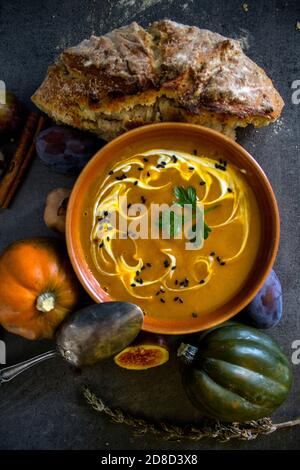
<point x="9" y="373"/>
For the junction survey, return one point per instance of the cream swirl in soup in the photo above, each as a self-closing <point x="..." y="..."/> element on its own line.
<point x="160" y="274"/>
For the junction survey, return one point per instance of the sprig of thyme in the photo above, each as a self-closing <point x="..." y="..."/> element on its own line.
<point x="207" y="429"/>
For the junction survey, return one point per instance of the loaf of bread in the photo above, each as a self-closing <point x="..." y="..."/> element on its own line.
<point x="168" y="72"/>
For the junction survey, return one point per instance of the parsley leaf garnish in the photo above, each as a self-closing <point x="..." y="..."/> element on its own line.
<point x="184" y="196"/>
<point x="189" y="196"/>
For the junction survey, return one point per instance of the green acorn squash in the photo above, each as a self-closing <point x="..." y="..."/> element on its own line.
<point x="235" y="373"/>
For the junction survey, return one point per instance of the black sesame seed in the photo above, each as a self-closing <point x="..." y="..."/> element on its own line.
<point x="180" y="300"/>
<point x="195" y="152"/>
<point x="105" y="213"/>
<point x="222" y="263"/>
<point x="174" y="158"/>
<point x="162" y="301"/>
<point x="135" y="183"/>
<point x="191" y="168"/>
<point x="143" y="199"/>
<point x="101" y="245"/>
<point x="212" y="253"/>
<point x="132" y="285"/>
<point x="194" y="315"/>
<point x="137" y="273"/>
<point x="110" y="172"/>
<point x="176" y="282"/>
<point x="202" y="281"/>
<point x="173" y="268"/>
<point x="140" y="168"/>
<point x="202" y="183"/>
<point x="229" y="190"/>
<point x="146" y="159"/>
<point x="175" y="299"/>
<point x="157" y="293"/>
<point x="107" y="238"/>
<point x="148" y="173"/>
<point x="162" y="290"/>
<point x="218" y="259"/>
<point x="149" y="265"/>
<point x="166" y="263"/>
<point x="129" y="205"/>
<point x="220" y="167"/>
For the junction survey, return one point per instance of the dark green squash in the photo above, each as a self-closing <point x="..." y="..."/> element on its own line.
<point x="235" y="373"/>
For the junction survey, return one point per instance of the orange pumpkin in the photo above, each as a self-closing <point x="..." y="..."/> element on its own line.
<point x="38" y="287"/>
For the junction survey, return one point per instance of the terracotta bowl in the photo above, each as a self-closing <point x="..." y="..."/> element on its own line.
<point x="184" y="137"/>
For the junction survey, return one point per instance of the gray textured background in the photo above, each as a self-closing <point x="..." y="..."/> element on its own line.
<point x="43" y="409"/>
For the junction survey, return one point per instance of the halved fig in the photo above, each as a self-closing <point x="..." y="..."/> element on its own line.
<point x="148" y="350"/>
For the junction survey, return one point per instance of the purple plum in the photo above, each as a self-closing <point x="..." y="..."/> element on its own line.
<point x="66" y="150"/>
<point x="265" y="310"/>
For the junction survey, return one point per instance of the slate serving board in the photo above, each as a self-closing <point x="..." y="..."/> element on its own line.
<point x="44" y="409"/>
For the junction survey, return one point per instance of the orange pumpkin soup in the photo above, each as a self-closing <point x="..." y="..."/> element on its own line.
<point x="165" y="278"/>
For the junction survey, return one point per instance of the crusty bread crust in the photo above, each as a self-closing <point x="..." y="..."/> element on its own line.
<point x="169" y="72"/>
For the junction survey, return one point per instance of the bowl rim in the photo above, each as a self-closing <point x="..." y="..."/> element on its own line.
<point x="212" y="135"/>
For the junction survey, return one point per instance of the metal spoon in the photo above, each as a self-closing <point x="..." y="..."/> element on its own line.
<point x="88" y="336"/>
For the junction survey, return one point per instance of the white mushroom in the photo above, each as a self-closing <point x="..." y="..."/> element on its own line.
<point x="56" y="208"/>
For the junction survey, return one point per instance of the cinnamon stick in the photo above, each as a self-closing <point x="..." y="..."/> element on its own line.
<point x="21" y="159"/>
<point x="25" y="164"/>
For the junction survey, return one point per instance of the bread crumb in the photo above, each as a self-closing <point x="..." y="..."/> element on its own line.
<point x="278" y="126"/>
<point x="298" y="26"/>
<point x="245" y="7"/>
<point x="244" y="39"/>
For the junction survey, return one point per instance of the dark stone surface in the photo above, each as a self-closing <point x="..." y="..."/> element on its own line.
<point x="44" y="409"/>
